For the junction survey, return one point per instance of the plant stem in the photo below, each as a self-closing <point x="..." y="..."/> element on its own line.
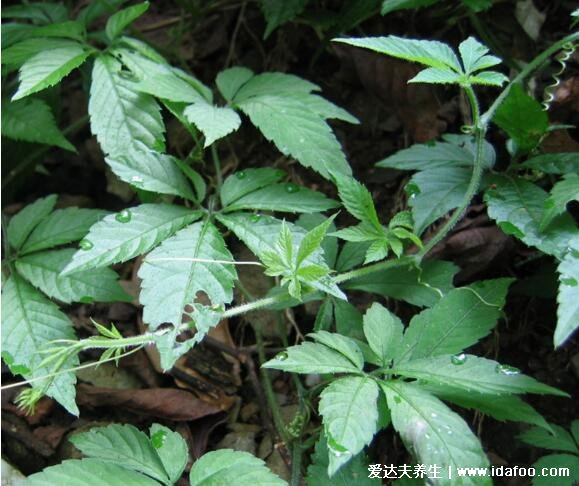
<point x="475" y="179"/>
<point x="296" y="465"/>
<point x="217" y="165"/>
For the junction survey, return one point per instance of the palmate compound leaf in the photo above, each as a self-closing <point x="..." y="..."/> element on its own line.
<point x="31" y="120"/>
<point x="129" y="233"/>
<point x="433" y="433"/>
<point x="88" y="472"/>
<point x="558" y="439"/>
<point x="567" y="298"/>
<point x="229" y="81"/>
<point x="42" y="71"/>
<point x="22" y="224"/>
<point x="350" y="417"/>
<point x="120" y="115"/>
<point x="29" y="322"/>
<point x="43" y="270"/>
<point x="457" y="321"/>
<point x="261" y="234"/>
<point x="60" y="227"/>
<point x="517" y="206"/>
<point x="194" y="260"/>
<point x="472" y="373"/>
<point x="123" y="445"/>
<point x="227" y="466"/>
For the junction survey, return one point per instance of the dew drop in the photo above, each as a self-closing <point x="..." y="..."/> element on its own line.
<point x="137" y="180"/>
<point x="126" y="74"/>
<point x="282" y="356"/>
<point x="302" y="140"/>
<point x="433" y="415"/>
<point x="123" y="216"/>
<point x="458" y="359"/>
<point x="254" y="218"/>
<point x="86" y="299"/>
<point x="397" y="399"/>
<point x="85" y="244"/>
<point x="412" y="190"/>
<point x="291" y="188"/>
<point x="241" y="174"/>
<point x="158" y="439"/>
<point x="506" y="370"/>
<point x="279" y="173"/>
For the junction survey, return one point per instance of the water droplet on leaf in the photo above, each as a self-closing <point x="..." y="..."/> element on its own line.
<point x="282" y="356"/>
<point x="124" y="216"/>
<point x="291" y="188"/>
<point x="158" y="439"/>
<point x="137" y="180"/>
<point x="458" y="359"/>
<point x="255" y="218"/>
<point x="85" y="244"/>
<point x="241" y="174"/>
<point x="397" y="399"/>
<point x="412" y="190"/>
<point x="506" y="370"/>
<point x="279" y="173"/>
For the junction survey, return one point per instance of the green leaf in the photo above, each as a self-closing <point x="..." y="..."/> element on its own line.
<point x="230" y="81"/>
<point x="490" y="78"/>
<point x="296" y="131"/>
<point x="287" y="197"/>
<point x="422" y="287"/>
<point x="433" y="433"/>
<point x="523" y="118"/>
<point x="453" y="151"/>
<point x="310" y="358"/>
<point x="475" y="56"/>
<point x="383" y="331"/>
<point x="227" y="466"/>
<point x="562" y="163"/>
<point x="562" y="193"/>
<point x="247" y="181"/>
<point x="557" y="461"/>
<point x="325" y="108"/>
<point x="39" y="12"/>
<point x="517" y="206"/>
<point x="348" y="319"/>
<point x="43" y="269"/>
<point x="567" y="298"/>
<point x="123" y="445"/>
<point x="277" y="13"/>
<point x="457" y="321"/>
<point x="279" y="84"/>
<point x="22" y="224"/>
<point x="438" y="192"/>
<point x="115" y="240"/>
<point x="472" y="373"/>
<point x="191" y="261"/>
<point x="42" y="71"/>
<point x="31" y="120"/>
<point x="61" y="227"/>
<point x="357" y="200"/>
<point x="435" y="75"/>
<point x="329" y="244"/>
<point x="213" y="121"/>
<point x="347" y="430"/>
<point x="171" y="449"/>
<point x="119" y="115"/>
<point x="88" y="472"/>
<point x="17" y="54"/>
<point x="342" y="344"/>
<point x="430" y="53"/>
<point x="261" y="233"/>
<point x="353" y="473"/>
<point x="121" y="19"/>
<point x="313" y="240"/>
<point x="559" y="440"/>
<point x="70" y="29"/>
<point x="150" y="170"/>
<point x="29" y="323"/>
<point x="499" y="407"/>
<point x="389" y="6"/>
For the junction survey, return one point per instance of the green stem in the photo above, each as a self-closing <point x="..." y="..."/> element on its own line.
<point x="528" y="70"/>
<point x="217" y="165"/>
<point x="474" y="182"/>
<point x="296" y="465"/>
